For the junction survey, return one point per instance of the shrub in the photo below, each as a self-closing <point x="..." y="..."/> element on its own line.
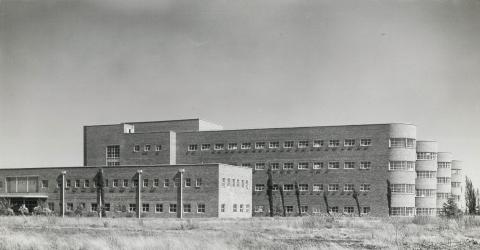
<point x="39" y="210"/>
<point x="23" y="210"/>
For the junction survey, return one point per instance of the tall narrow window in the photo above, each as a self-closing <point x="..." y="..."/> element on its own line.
<point x="113" y="155"/>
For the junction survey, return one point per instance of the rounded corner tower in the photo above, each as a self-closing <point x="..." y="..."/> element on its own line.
<point x="426" y="182"/>
<point x="444" y="174"/>
<point x="458" y="185"/>
<point x="401" y="169"/>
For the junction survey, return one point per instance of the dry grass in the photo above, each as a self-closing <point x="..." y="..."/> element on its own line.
<point x="316" y="232"/>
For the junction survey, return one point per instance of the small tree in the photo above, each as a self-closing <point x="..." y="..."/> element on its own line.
<point x="270" y="190"/>
<point x="100" y="184"/>
<point x="355" y="197"/>
<point x="297" y="194"/>
<point x="389" y="198"/>
<point x="470" y="196"/>
<point x="450" y="208"/>
<point x="280" y="188"/>
<point x="325" y="198"/>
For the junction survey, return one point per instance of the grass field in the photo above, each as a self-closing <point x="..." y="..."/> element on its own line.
<point x="317" y="232"/>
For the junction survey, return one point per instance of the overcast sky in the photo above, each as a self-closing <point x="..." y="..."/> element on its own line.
<point x="241" y="64"/>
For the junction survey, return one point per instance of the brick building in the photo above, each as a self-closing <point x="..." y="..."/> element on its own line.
<point x="202" y="193"/>
<point x="383" y="163"/>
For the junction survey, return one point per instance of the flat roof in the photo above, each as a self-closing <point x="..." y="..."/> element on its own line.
<point x="23" y="195"/>
<point x="123" y="166"/>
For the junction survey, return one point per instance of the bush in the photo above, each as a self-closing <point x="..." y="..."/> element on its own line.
<point x="7" y="212"/>
<point x="23" y="210"/>
<point x="39" y="210"/>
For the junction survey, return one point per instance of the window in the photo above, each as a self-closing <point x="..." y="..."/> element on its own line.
<point x="136" y="148"/>
<point x="258" y="209"/>
<point x="201" y="208"/>
<point x="403" y="211"/>
<point x="317" y="143"/>
<point x="228" y="182"/>
<point x="287" y="187"/>
<point x="303" y="209"/>
<point x="192" y="147"/>
<point x="456" y="184"/>
<point x="113" y="155"/>
<point x="349" y="143"/>
<point x="303" y="144"/>
<point x="426" y="156"/>
<point x="260" y="166"/>
<point x="443" y="180"/>
<point x="93" y="207"/>
<point x="365" y="165"/>
<point x="172" y="208"/>
<point x="443" y="195"/>
<point x="234" y="208"/>
<point x="401" y="166"/>
<point x="145" y="182"/>
<point x="158" y="147"/>
<point x="115" y="183"/>
<point x="106" y="182"/>
<point x="132" y="207"/>
<point x="334" y="165"/>
<point x="205" y="147"/>
<point x="398" y="143"/>
<point x="317" y="165"/>
<point x="348" y="187"/>
<point x="444" y="165"/>
<point x="333" y="209"/>
<point x="146" y="148"/>
<point x="243" y="183"/>
<point x="158" y="208"/>
<point x="364" y="187"/>
<point x="275" y="187"/>
<point x="334" y="143"/>
<point x="246" y="165"/>
<point x="188" y="182"/>
<point x="426" y="174"/>
<point x="246" y="184"/>
<point x="365" y="210"/>
<point x="135" y="183"/>
<point x="69" y="206"/>
<point x="316" y="210"/>
<point x="176" y="182"/>
<point x="426" y="192"/>
<point x="317" y="187"/>
<point x="410" y="143"/>
<point x="241" y="207"/>
<point x="349" y="165"/>
<point x="223" y="182"/>
<point x="455" y="171"/>
<point x="259" y="145"/>
<point x="333" y="187"/>
<point x="219" y="146"/>
<point x="166" y="183"/>
<point x="222" y="208"/>
<point x="247" y="208"/>
<point x="232" y="146"/>
<point x="68" y="184"/>
<point x="403" y="188"/>
<point x="288" y="165"/>
<point x="365" y="142"/>
<point x="274" y="144"/>
<point x="303" y="165"/>
<point x="146" y="207"/>
<point x="233" y="182"/>
<point x="426" y="211"/>
<point x="246" y="145"/>
<point x="86" y="184"/>
<point x="348" y="210"/>
<point x="198" y="182"/>
<point x="303" y="187"/>
<point x="289" y="209"/>
<point x="275" y="166"/>
<point x="288" y="144"/>
<point x="259" y="187"/>
<point x="125" y="183"/>
<point x="44" y="184"/>
<point x="187" y="208"/>
<point x="238" y="182"/>
<point x="156" y="182"/>
<point x="77" y="183"/>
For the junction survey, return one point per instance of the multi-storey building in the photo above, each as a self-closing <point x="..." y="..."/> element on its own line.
<point x="189" y="190"/>
<point x="383" y="164"/>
